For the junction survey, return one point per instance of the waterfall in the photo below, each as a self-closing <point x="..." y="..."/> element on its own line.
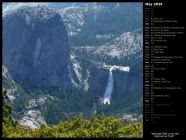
<point x="107" y="96"/>
<point x="109" y="88"/>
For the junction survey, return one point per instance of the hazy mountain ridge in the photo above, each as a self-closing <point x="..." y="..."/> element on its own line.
<point x="106" y="20"/>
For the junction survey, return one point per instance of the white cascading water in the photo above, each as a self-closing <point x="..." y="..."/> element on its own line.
<point x="107" y="96"/>
<point x="109" y="88"/>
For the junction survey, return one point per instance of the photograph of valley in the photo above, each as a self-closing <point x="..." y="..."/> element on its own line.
<point x="72" y="70"/>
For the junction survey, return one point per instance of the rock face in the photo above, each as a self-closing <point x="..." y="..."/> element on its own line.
<point x="35" y="47"/>
<point x="32" y="119"/>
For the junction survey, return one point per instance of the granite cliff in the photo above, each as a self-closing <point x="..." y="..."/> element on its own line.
<point x="35" y="47"/>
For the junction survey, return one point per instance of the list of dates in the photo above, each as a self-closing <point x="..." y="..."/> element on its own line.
<point x="160" y="65"/>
